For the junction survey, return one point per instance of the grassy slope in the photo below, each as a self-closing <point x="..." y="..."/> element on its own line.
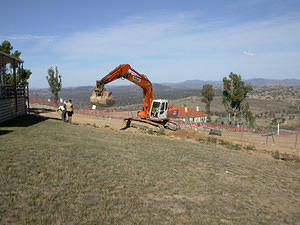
<point x="56" y="173"/>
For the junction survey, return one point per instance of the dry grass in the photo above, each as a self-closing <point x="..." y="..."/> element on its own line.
<point x="56" y="173"/>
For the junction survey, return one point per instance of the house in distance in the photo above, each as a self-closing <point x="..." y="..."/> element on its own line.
<point x="188" y="115"/>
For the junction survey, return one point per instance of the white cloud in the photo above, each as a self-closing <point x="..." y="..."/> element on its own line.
<point x="21" y="37"/>
<point x="26" y="37"/>
<point x="174" y="45"/>
<point x="248" y="53"/>
<point x="177" y="37"/>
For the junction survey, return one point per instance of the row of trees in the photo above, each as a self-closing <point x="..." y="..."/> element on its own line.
<point x="235" y="92"/>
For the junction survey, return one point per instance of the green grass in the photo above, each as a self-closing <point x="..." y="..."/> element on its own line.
<point x="58" y="173"/>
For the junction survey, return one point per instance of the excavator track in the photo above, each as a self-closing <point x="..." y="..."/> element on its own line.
<point x="171" y="125"/>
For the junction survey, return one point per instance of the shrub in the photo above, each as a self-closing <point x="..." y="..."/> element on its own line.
<point x="250" y="147"/>
<point x="222" y="142"/>
<point x="230" y="145"/>
<point x="150" y="131"/>
<point x="276" y="155"/>
<point x="211" y="140"/>
<point x="161" y="132"/>
<point x="237" y="147"/>
<point x="201" y="140"/>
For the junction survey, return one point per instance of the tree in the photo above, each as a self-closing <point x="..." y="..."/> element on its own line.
<point x="6" y="47"/>
<point x="22" y="74"/>
<point x="54" y="81"/>
<point x="234" y="94"/>
<point x="207" y="96"/>
<point x="250" y="118"/>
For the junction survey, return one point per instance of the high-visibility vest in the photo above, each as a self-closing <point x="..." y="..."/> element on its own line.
<point x="61" y="108"/>
<point x="69" y="107"/>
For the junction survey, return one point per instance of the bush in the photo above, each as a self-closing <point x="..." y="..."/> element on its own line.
<point x="211" y="140"/>
<point x="161" y="132"/>
<point x="237" y="147"/>
<point x="276" y="155"/>
<point x="202" y="140"/>
<point x="230" y="145"/>
<point x="250" y="147"/>
<point x="222" y="142"/>
<point x="150" y="131"/>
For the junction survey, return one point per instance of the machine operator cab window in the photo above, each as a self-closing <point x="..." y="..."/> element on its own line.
<point x="159" y="109"/>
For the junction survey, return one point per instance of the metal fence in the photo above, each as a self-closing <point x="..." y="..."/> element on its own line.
<point x="286" y="142"/>
<point x="79" y="109"/>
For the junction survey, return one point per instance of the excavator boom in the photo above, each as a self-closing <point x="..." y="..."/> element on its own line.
<point x="103" y="98"/>
<point x="155" y="111"/>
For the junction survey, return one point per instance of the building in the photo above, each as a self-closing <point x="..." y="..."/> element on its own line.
<point x="186" y="115"/>
<point x="12" y="96"/>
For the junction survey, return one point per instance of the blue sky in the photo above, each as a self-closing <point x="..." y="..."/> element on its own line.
<point x="169" y="41"/>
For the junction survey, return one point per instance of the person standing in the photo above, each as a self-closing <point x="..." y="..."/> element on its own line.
<point x="63" y="112"/>
<point x="69" y="108"/>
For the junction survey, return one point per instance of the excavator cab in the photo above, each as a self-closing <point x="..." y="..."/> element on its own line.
<point x="159" y="109"/>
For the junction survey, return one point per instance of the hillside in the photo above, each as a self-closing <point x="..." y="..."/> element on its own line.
<point x="258" y="82"/>
<point x="132" y="94"/>
<point x="57" y="173"/>
<point x="266" y="103"/>
<point x="124" y="95"/>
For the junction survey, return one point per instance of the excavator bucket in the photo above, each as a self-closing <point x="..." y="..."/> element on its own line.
<point x="102" y="98"/>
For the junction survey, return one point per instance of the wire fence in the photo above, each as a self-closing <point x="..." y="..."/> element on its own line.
<point x="80" y="109"/>
<point x="284" y="141"/>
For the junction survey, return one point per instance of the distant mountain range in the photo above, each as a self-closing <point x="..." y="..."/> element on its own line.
<point x="124" y="95"/>
<point x="132" y="94"/>
<point x="258" y="82"/>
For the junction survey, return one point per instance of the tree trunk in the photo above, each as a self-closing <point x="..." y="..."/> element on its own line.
<point x="207" y="108"/>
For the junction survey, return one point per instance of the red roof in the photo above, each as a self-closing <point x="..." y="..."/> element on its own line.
<point x="191" y="112"/>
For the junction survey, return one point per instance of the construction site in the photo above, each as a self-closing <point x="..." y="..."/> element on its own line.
<point x="149" y="112"/>
<point x="160" y="116"/>
<point x="259" y="142"/>
<point x="162" y="164"/>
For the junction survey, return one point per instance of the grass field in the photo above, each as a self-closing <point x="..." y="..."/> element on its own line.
<point x="57" y="173"/>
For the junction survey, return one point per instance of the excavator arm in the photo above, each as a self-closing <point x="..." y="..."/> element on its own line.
<point x="103" y="98"/>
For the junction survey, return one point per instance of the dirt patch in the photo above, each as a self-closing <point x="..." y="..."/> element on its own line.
<point x="254" y="144"/>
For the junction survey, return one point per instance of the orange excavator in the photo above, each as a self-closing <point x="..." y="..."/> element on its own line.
<point x="155" y="111"/>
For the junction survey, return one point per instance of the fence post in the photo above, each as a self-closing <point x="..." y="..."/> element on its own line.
<point x="296" y="149"/>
